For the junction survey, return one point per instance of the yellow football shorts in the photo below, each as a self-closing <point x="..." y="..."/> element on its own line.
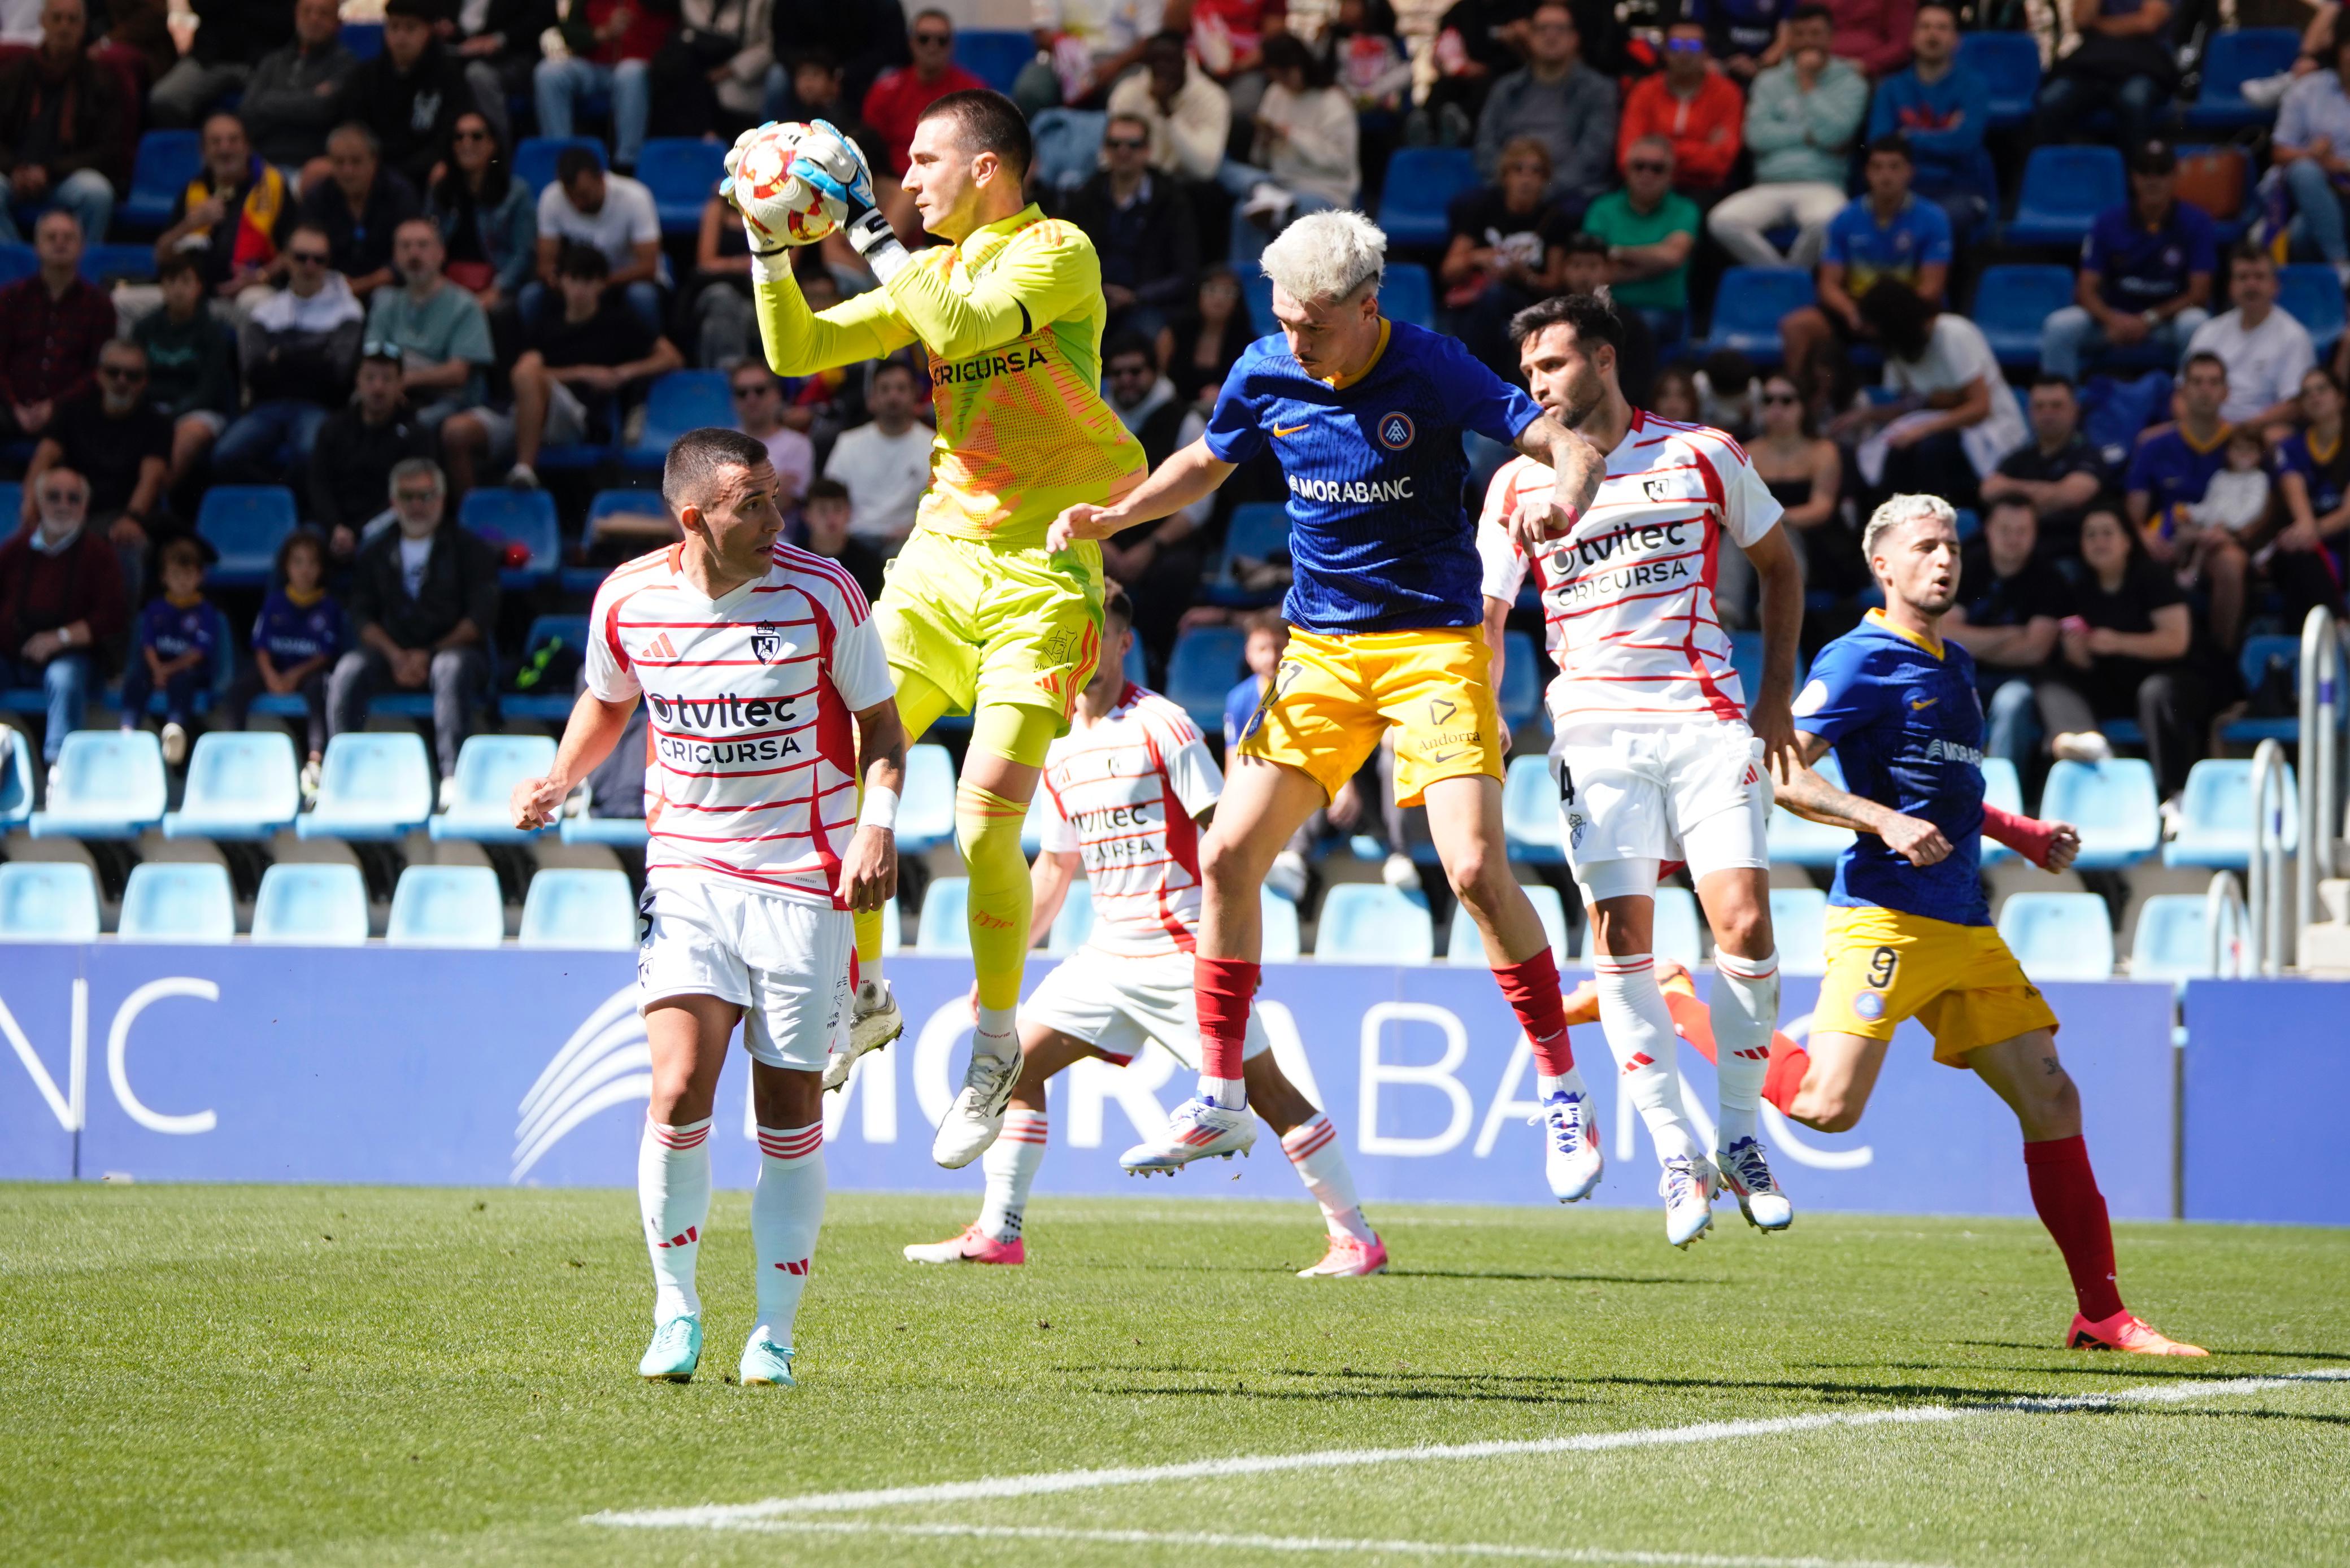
<point x="993" y="623"/>
<point x="1334" y="697"/>
<point x="1959" y="982"/>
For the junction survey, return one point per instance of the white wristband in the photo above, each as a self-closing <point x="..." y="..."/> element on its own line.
<point x="880" y="810"/>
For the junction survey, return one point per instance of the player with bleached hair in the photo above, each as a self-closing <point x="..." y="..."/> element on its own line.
<point x="1366" y="417"/>
<point x="753" y="659"/>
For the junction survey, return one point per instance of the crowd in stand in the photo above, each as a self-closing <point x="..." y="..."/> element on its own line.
<point x="356" y="296"/>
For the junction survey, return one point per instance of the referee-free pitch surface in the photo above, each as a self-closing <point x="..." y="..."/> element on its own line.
<point x="365" y="1376"/>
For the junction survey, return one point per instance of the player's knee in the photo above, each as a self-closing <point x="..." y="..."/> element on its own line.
<point x="1743" y="929"/>
<point x="1477" y="875"/>
<point x="1228" y="865"/>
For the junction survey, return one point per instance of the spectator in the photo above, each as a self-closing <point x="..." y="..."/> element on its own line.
<point x="190" y="366"/>
<point x="498" y="42"/>
<point x="1268" y="638"/>
<point x="358" y="447"/>
<point x="1159" y="563"/>
<point x="61" y="601"/>
<point x="1745" y="35"/>
<point x="2124" y="65"/>
<point x="1202" y="345"/>
<point x="594" y="346"/>
<point x="1367" y="59"/>
<point x="235" y="216"/>
<point x="176" y="650"/>
<point x="409" y="95"/>
<point x="1650" y="230"/>
<point x="1588" y="268"/>
<point x="2146" y="272"/>
<point x="612" y="44"/>
<point x="359" y="208"/>
<point x="1801" y="116"/>
<point x="1478" y="42"/>
<point x="51" y="325"/>
<point x="1873" y="34"/>
<point x="115" y="437"/>
<point x="896" y="102"/>
<point x="611" y="214"/>
<point x="1804" y="472"/>
<point x="423" y="600"/>
<point x="2266" y="351"/>
<point x="289" y="103"/>
<point x="488" y="222"/>
<point x="1942" y="107"/>
<point x="1189" y="115"/>
<point x="1090" y="43"/>
<point x="1676" y="396"/>
<point x="820" y="90"/>
<point x="297" y="348"/>
<point x="1729" y="398"/>
<point x="725" y="323"/>
<point x="1954" y="419"/>
<point x="886" y="463"/>
<point x="61" y="126"/>
<point x="296" y="638"/>
<point x="823" y="516"/>
<point x="861" y="41"/>
<point x="1508" y="249"/>
<point x="2057" y="472"/>
<point x="1229" y="37"/>
<point x="2169" y="470"/>
<point x="1694" y="108"/>
<point x="1307" y="138"/>
<point x="441" y="335"/>
<point x="712" y="73"/>
<point x="2236" y="502"/>
<point x="2011" y="601"/>
<point x="1556" y="99"/>
<point x="1142" y="229"/>
<point x="2125" y="657"/>
<point x="2314" y="470"/>
<point x="2310" y="150"/>
<point x="759" y="414"/>
<point x="1884" y="233"/>
<point x="230" y="35"/>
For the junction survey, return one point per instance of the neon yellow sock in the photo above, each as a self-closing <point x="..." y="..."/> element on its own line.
<point x="987" y="830"/>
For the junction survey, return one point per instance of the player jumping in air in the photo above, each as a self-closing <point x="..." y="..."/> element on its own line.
<point x="978" y="615"/>
<point x="752" y="658"/>
<point x="1653" y="753"/>
<point x="1910" y="932"/>
<point x="1366" y="417"/>
<point x="1124" y="791"/>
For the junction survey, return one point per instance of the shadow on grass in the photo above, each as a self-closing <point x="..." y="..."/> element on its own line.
<point x="1376" y="1395"/>
<point x="2149" y="1362"/>
<point x="1550" y="1278"/>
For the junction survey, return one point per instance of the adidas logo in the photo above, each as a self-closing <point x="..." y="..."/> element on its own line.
<point x="798" y="1267"/>
<point x="659" y="648"/>
<point x="692" y="1233"/>
<point x="1640" y="1059"/>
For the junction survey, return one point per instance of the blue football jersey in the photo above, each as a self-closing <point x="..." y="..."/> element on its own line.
<point x="1379" y="537"/>
<point x="1908" y="729"/>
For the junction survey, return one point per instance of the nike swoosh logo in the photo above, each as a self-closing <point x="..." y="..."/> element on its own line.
<point x="1291" y="431"/>
<point x="1928" y="702"/>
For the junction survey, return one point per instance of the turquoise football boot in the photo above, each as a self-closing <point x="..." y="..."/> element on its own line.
<point x="675" y="1352"/>
<point x="767" y="1364"/>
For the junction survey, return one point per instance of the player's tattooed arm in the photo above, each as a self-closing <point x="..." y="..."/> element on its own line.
<point x="1809" y="796"/>
<point x="1189" y="475"/>
<point x="1578" y="466"/>
<point x="588" y="739"/>
<point x="868" y="872"/>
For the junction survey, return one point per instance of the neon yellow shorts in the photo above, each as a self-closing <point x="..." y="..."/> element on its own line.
<point x="1334" y="697"/>
<point x="1959" y="982"/>
<point x="991" y="623"/>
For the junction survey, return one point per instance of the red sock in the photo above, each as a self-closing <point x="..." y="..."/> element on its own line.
<point x="1221" y="989"/>
<point x="2064" y="1191"/>
<point x="1531" y="990"/>
<point x="1784" y="1076"/>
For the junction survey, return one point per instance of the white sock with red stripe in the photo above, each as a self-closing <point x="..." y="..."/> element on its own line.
<point x="1011" y="1163"/>
<point x="1312" y="1148"/>
<point x="1639" y="1031"/>
<point x="1744" y="1011"/>
<point x="786" y="1208"/>
<point x="673" y="1195"/>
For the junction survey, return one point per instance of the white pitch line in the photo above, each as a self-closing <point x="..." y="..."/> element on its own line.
<point x="715" y="1516"/>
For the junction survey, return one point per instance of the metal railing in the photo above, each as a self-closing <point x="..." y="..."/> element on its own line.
<point x="2320" y="766"/>
<point x="2266" y="899"/>
<point x="2225" y="920"/>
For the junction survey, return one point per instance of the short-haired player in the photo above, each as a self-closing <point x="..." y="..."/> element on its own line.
<point x="753" y="659"/>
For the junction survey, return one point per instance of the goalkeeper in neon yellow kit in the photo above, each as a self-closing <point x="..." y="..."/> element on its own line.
<point x="978" y="617"/>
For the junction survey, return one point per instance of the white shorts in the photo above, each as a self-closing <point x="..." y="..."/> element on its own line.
<point x="784" y="960"/>
<point x="1118" y="1005"/>
<point x="1698" y="794"/>
<point x="566" y="422"/>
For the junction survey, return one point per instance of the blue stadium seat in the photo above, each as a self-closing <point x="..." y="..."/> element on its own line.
<point x="1466" y="944"/>
<point x="105" y="265"/>
<point x="2004" y="790"/>
<point x="372" y="786"/>
<point x="1281" y="942"/>
<point x="2014" y="303"/>
<point x="535" y="157"/>
<point x="1257" y="530"/>
<point x="446" y="907"/>
<point x="1074" y="923"/>
<point x="1678" y="928"/>
<point x="1068" y="146"/>
<point x="1406" y="294"/>
<point x="503" y="518"/>
<point x="1799" y="923"/>
<point x="17" y="263"/>
<point x="2009" y="64"/>
<point x="683" y="173"/>
<point x="1256" y="293"/>
<point x="1749" y="307"/>
<point x="2234" y="57"/>
<point x="678" y="402"/>
<point x="178" y="901"/>
<point x="488" y="768"/>
<point x="47" y="901"/>
<point x="1204" y="666"/>
<point x="2173" y="939"/>
<point x="624" y="503"/>
<point x="1798" y="842"/>
<point x="2311" y="293"/>
<point x="246" y="524"/>
<point x="15" y="781"/>
<point x="943" y="926"/>
<point x="12" y="493"/>
<point x="242" y="785"/>
<point x="108" y="784"/>
<point x="614" y="831"/>
<point x="363" y="39"/>
<point x="994" y="57"/>
<point x="1415" y="205"/>
<point x="926" y="804"/>
<point x="2059" y="936"/>
<point x="1371" y="922"/>
<point x="2216" y="816"/>
<point x="1521" y="696"/>
<point x="2065" y="189"/>
<point x="311" y="906"/>
<point x="2260" y="656"/>
<point x="1530" y="811"/>
<point x="553" y="703"/>
<point x="2114" y="806"/>
<point x="165" y="162"/>
<point x="1136" y="667"/>
<point x="567" y="907"/>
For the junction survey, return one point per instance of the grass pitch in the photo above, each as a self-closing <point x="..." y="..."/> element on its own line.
<point x="344" y="1376"/>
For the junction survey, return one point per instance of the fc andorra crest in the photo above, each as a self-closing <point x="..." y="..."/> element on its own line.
<point x="1396" y="432"/>
<point x="766" y="643"/>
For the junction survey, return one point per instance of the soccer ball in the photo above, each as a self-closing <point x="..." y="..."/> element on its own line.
<point x="794" y="211"/>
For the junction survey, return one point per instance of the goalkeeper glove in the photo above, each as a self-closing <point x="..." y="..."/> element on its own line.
<point x="832" y="164"/>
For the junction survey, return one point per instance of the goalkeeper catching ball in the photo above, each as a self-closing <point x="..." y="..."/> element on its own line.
<point x="979" y="617"/>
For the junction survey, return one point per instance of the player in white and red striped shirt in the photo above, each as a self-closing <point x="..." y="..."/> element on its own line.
<point x="768" y="698"/>
<point x="1125" y="789"/>
<point x="1652" y="748"/>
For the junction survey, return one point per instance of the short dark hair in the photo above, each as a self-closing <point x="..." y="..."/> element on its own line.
<point x="2250" y="250"/>
<point x="697" y="459"/>
<point x="884" y="367"/>
<point x="176" y="264"/>
<point x="1939" y="5"/>
<point x="2009" y="502"/>
<point x="574" y="161"/>
<point x="1126" y="343"/>
<point x="987" y="122"/>
<point x="1591" y="319"/>
<point x="2203" y="357"/>
<point x="575" y="259"/>
<point x="826" y="488"/>
<point x="2051" y="378"/>
<point x="1582" y="242"/>
<point x="1811" y="11"/>
<point x="182" y="551"/>
<point x="1729" y="373"/>
<point x="1115" y="602"/>
<point x="1894" y="144"/>
<point x="301" y="539"/>
<point x="412" y="10"/>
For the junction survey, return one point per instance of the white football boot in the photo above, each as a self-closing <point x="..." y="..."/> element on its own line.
<point x="1687" y="1188"/>
<point x="873" y="1023"/>
<point x="977" y="1114"/>
<point x="1571" y="1157"/>
<point x="1198" y="1130"/>
<point x="1746" y="1173"/>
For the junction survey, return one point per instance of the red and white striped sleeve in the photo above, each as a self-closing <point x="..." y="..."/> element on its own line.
<point x="610" y="675"/>
<point x="1191" y="774"/>
<point x="1749" y="510"/>
<point x="856" y="660"/>
<point x="1505" y="563"/>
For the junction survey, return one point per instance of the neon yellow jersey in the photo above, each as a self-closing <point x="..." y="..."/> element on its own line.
<point x="1013" y="320"/>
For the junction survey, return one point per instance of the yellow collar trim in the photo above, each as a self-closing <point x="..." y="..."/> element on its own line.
<point x="2219" y="438"/>
<point x="1932" y="645"/>
<point x="304" y="601"/>
<point x="1340" y="383"/>
<point x="190" y="602"/>
<point x="2327" y="456"/>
